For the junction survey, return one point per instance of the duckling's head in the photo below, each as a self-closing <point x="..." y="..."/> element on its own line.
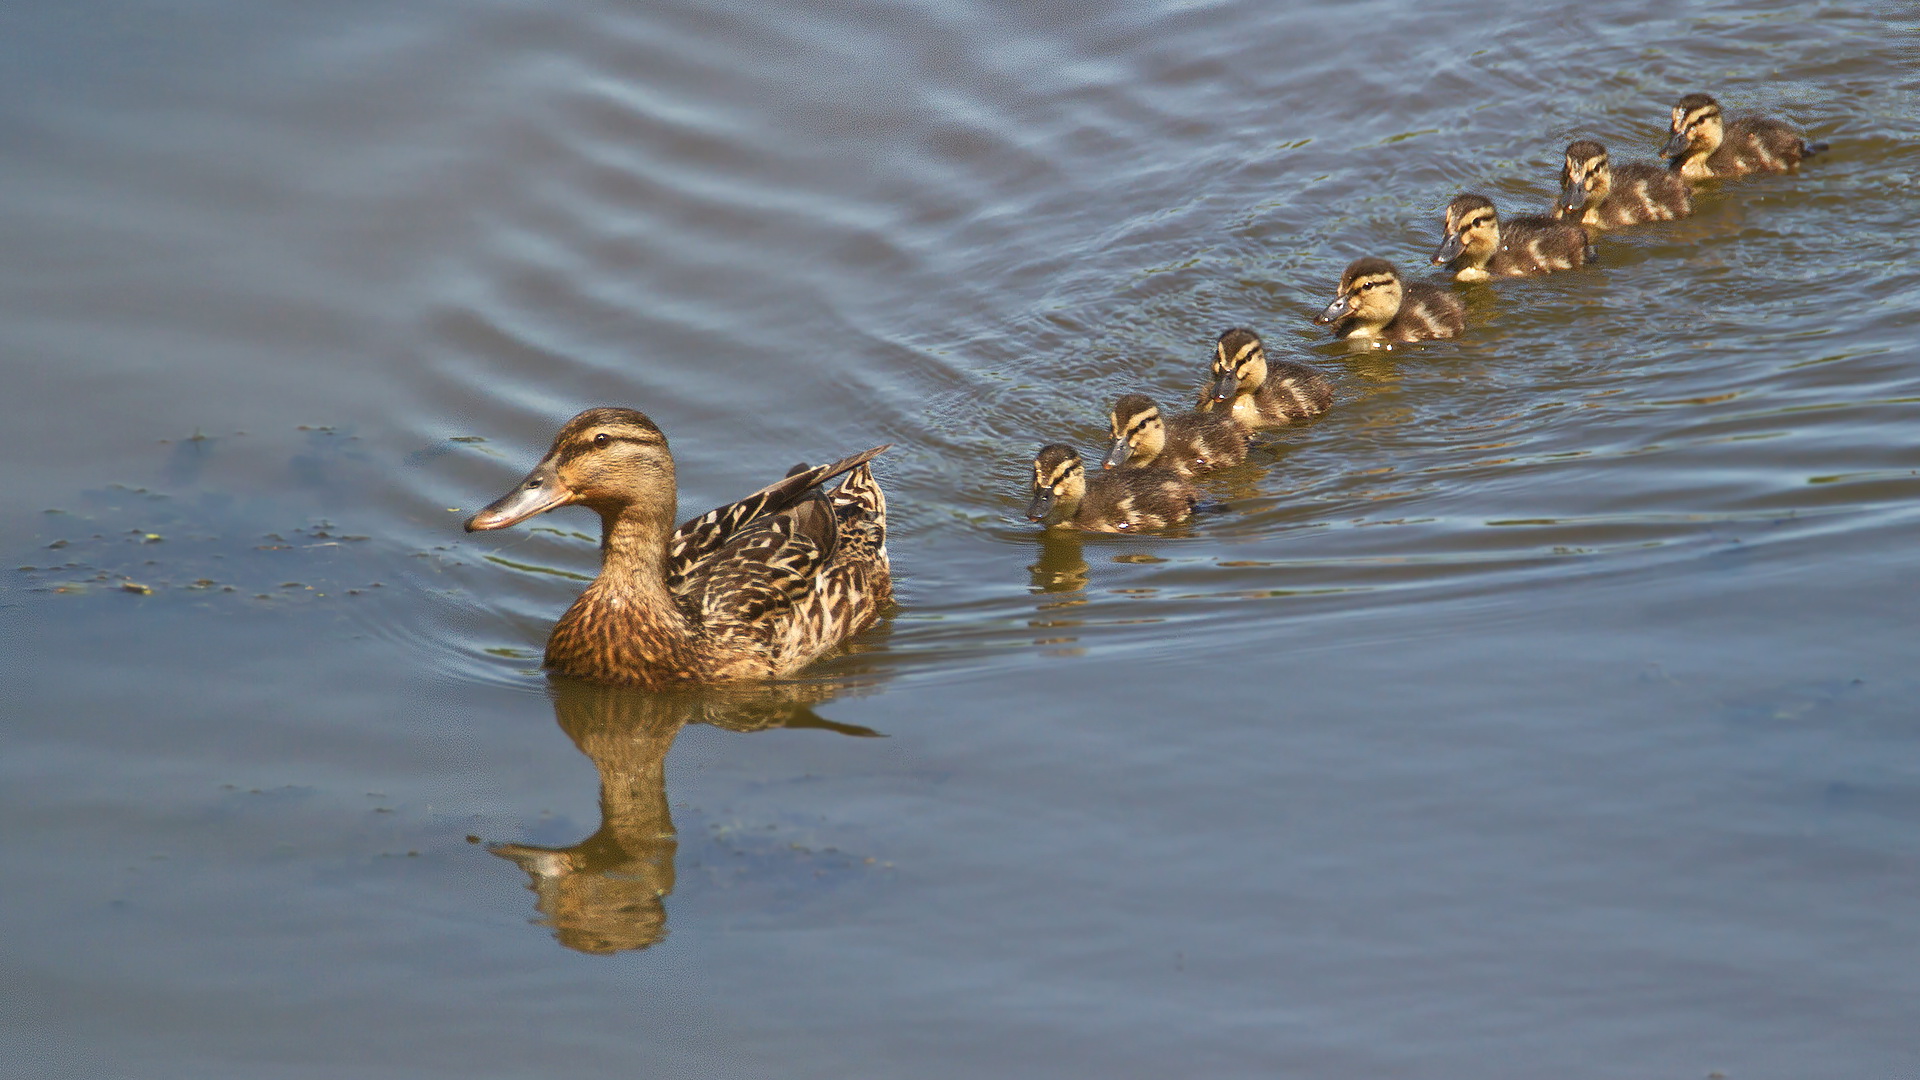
<point x="613" y="460"/>
<point x="1059" y="483"/>
<point x="1697" y="127"/>
<point x="1239" y="364"/>
<point x="1585" y="178"/>
<point x="1369" y="294"/>
<point x="1472" y="229"/>
<point x="1139" y="432"/>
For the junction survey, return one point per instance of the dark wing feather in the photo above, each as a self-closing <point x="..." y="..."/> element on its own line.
<point x="765" y="568"/>
<point x="701" y="538"/>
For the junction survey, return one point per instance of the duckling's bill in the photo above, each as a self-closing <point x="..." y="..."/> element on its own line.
<point x="1341" y="306"/>
<point x="1224" y="387"/>
<point x="1041" y="506"/>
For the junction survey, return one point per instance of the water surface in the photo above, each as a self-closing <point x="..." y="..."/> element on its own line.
<point x="1543" y="709"/>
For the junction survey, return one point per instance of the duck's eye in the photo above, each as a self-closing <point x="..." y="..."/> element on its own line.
<point x="602" y="439"/>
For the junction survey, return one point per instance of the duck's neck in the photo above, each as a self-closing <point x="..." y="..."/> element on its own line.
<point x="633" y="561"/>
<point x="627" y="623"/>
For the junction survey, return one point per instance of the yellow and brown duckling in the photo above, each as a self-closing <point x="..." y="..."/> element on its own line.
<point x="1478" y="246"/>
<point x="1374" y="304"/>
<point x="1261" y="393"/>
<point x="1188" y="443"/>
<point x="1705" y="146"/>
<point x="754" y="589"/>
<point x="1124" y="500"/>
<point x="1600" y="195"/>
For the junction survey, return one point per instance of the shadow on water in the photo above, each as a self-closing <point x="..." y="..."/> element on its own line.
<point x="607" y="893"/>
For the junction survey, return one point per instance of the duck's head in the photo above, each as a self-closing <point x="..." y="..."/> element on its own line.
<point x="1697" y="127"/>
<point x="1585" y="178"/>
<point x="1472" y="229"/>
<point x="1369" y="293"/>
<point x="613" y="460"/>
<point x="1139" y="432"/>
<point x="1059" y="483"/>
<point x="1239" y="365"/>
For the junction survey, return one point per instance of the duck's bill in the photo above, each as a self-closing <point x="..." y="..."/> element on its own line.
<point x="539" y="492"/>
<point x="1041" y="506"/>
<point x="1676" y="145"/>
<point x="1448" y="250"/>
<point x="1572" y="199"/>
<point x="1340" y="306"/>
<point x="1117" y="454"/>
<point x="1224" y="388"/>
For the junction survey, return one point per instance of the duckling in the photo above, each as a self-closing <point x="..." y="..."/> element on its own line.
<point x="1477" y="246"/>
<point x="754" y="589"/>
<point x="1187" y="443"/>
<point x="1601" y="197"/>
<point x="1065" y="497"/>
<point x="1264" y="393"/>
<point x="1373" y="303"/>
<point x="1704" y="147"/>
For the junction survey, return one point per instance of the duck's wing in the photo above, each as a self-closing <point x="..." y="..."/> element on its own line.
<point x="700" y="539"/>
<point x="748" y="584"/>
<point x="792" y="584"/>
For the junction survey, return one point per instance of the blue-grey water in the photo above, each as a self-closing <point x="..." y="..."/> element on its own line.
<point x="1547" y="709"/>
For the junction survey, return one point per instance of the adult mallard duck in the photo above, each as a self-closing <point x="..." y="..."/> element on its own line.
<point x="1124" y="500"/>
<point x="1373" y="303"/>
<point x="1600" y="195"/>
<point x="1478" y="245"/>
<point x="754" y="589"/>
<point x="1263" y="393"/>
<point x="1705" y="147"/>
<point x="1188" y="443"/>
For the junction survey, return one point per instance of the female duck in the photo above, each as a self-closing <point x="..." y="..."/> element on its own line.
<point x="754" y="589"/>
<point x="1705" y="147"/>
<point x="1477" y="246"/>
<point x="1599" y="196"/>
<point x="1262" y="393"/>
<point x="1373" y="303"/>
<point x="1187" y="443"/>
<point x="1065" y="497"/>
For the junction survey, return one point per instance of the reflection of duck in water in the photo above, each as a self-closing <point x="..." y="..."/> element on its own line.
<point x="752" y="590"/>
<point x="608" y="893"/>
<point x="1062" y="567"/>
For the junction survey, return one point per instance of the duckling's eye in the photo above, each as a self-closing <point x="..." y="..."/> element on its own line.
<point x="602" y="439"/>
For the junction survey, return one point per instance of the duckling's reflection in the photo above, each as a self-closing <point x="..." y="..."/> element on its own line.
<point x="1062" y="567"/>
<point x="608" y="893"/>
